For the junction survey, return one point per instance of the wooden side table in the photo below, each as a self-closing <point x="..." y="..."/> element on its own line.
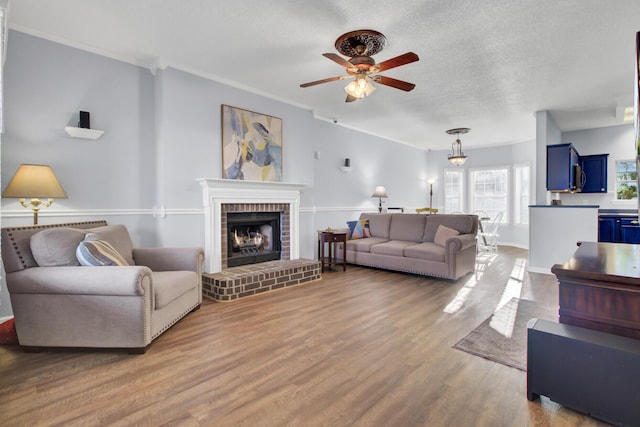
<point x="330" y="238"/>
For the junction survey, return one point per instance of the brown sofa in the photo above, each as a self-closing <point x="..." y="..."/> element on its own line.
<point x="413" y="243"/>
<point x="59" y="303"/>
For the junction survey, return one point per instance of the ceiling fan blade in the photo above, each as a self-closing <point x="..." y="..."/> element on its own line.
<point x="317" y="82"/>
<point x="398" y="84"/>
<point x="338" y="59"/>
<point x="407" y="58"/>
<point x="350" y="98"/>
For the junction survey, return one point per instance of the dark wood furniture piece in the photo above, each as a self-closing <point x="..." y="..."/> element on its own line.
<point x="599" y="288"/>
<point x="329" y="239"/>
<point x="589" y="371"/>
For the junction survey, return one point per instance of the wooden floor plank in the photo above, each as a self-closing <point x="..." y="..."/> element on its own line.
<point x="364" y="347"/>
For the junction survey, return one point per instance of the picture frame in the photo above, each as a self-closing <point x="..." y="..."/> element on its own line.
<point x="251" y="145"/>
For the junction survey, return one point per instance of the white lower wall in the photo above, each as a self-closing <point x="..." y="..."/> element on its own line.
<point x="554" y="232"/>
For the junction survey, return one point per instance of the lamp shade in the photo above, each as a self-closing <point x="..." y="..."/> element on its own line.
<point x="35" y="181"/>
<point x="380" y="191"/>
<point x="360" y="87"/>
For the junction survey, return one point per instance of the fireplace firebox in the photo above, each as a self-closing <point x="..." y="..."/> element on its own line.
<point x="253" y="237"/>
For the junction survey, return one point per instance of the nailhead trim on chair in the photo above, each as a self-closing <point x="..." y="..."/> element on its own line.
<point x="189" y="310"/>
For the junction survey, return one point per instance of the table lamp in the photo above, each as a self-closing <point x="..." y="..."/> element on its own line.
<point x="380" y="192"/>
<point x="35" y="182"/>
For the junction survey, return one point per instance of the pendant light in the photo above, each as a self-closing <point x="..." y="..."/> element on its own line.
<point x="457" y="156"/>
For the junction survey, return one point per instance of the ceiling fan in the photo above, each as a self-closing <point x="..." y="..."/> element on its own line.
<point x="360" y="46"/>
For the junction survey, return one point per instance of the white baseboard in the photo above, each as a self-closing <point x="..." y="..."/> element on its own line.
<point x="515" y="245"/>
<point x="539" y="270"/>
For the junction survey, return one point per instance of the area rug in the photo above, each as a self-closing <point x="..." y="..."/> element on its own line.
<point x="502" y="337"/>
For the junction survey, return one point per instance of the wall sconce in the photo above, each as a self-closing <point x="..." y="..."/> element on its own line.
<point x="457" y="157"/>
<point x="380" y="193"/>
<point x="35" y="182"/>
<point x="347" y="165"/>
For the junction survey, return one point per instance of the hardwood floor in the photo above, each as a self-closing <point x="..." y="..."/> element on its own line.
<point x="363" y="347"/>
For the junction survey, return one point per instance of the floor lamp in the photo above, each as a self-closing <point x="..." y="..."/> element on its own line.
<point x="431" y="181"/>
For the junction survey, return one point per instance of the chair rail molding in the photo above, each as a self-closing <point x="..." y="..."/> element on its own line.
<point x="161" y="212"/>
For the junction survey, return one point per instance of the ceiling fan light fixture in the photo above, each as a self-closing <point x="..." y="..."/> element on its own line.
<point x="360" y="87"/>
<point x="360" y="46"/>
<point x="457" y="156"/>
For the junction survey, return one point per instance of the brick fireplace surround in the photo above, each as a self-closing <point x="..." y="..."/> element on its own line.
<point x="285" y="224"/>
<point x="226" y="284"/>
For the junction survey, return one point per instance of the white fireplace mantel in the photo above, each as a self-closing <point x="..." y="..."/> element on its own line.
<point x="216" y="192"/>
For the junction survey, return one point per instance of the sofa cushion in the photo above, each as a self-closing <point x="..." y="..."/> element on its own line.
<point x="364" y="245"/>
<point x="465" y="224"/>
<point x="425" y="251"/>
<point x="170" y="285"/>
<point x="55" y="247"/>
<point x="378" y="224"/>
<point x="359" y="229"/>
<point x="407" y="227"/>
<point x="392" y="247"/>
<point x="443" y="233"/>
<point x="118" y="236"/>
<point x="93" y="251"/>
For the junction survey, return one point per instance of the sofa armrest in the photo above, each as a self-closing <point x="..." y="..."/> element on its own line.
<point x="75" y="280"/>
<point x="461" y="242"/>
<point x="170" y="259"/>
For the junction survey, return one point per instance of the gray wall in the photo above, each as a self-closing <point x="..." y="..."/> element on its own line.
<point x="547" y="133"/>
<point x="162" y="132"/>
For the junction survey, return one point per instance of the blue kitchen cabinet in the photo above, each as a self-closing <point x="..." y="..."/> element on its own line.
<point x="618" y="229"/>
<point x="609" y="229"/>
<point x="629" y="230"/>
<point x="594" y="173"/>
<point x="563" y="168"/>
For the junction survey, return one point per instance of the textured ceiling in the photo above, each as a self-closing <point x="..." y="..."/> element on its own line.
<point x="484" y="64"/>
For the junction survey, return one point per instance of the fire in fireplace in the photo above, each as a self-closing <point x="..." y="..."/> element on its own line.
<point x="253" y="237"/>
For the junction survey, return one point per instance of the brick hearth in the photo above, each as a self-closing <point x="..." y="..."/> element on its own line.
<point x="246" y="280"/>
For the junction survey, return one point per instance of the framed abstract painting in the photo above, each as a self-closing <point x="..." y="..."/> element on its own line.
<point x="251" y="145"/>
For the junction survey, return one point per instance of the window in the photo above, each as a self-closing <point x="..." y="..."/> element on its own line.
<point x="521" y="193"/>
<point x="626" y="180"/>
<point x="490" y="191"/>
<point x="453" y="190"/>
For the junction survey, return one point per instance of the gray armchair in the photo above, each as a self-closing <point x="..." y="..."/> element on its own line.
<point x="59" y="303"/>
